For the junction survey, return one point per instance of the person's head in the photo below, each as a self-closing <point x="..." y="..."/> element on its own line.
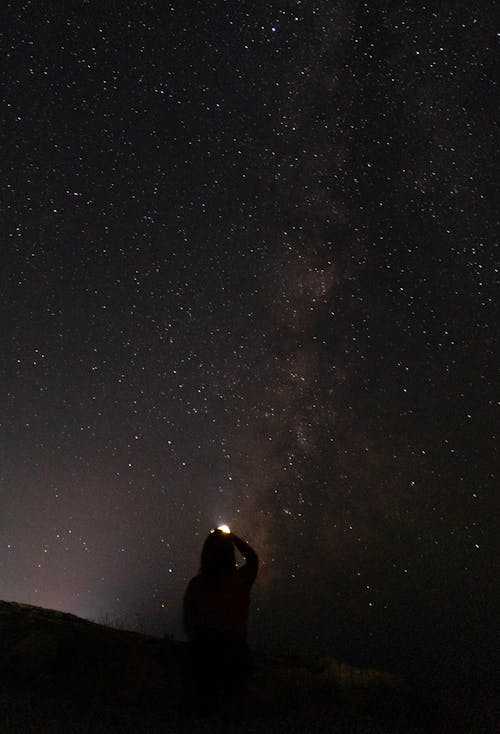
<point x="217" y="556"/>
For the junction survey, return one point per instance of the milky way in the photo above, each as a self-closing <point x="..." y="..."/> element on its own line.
<point x="249" y="275"/>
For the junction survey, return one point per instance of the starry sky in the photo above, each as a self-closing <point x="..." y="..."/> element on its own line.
<point x="249" y="275"/>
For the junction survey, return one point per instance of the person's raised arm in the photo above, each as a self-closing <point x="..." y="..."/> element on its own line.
<point x="249" y="570"/>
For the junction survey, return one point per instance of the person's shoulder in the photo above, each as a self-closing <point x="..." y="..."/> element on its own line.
<point x="195" y="583"/>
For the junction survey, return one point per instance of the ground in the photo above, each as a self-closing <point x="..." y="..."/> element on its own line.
<point x="64" y="675"/>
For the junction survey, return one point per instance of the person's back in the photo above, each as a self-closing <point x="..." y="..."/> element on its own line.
<point x="218" y="603"/>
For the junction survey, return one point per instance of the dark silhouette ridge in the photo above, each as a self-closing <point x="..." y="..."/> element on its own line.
<point x="63" y="674"/>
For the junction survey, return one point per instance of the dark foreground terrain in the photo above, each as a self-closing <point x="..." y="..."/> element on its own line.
<point x="62" y="675"/>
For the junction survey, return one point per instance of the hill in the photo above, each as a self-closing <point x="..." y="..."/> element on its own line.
<point x="60" y="674"/>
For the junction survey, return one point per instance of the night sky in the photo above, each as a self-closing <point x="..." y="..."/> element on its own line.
<point x="249" y="275"/>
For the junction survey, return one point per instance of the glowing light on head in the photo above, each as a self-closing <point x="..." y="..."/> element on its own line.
<point x="224" y="529"/>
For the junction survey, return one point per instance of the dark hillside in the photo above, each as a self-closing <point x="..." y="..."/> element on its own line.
<point x="62" y="674"/>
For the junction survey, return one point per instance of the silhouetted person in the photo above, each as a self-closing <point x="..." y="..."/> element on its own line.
<point x="216" y="618"/>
